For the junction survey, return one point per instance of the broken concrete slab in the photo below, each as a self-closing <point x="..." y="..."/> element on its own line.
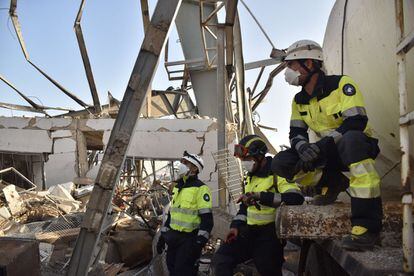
<point x="4" y="213"/>
<point x="13" y="200"/>
<point x="62" y="191"/>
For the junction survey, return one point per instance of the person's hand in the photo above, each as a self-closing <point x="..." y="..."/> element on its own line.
<point x="160" y="244"/>
<point x="249" y="199"/>
<point x="232" y="235"/>
<point x="308" y="152"/>
<point x="200" y="243"/>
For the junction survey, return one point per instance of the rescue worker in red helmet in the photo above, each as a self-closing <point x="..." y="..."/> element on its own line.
<point x="252" y="231"/>
<point x="332" y="106"/>
<point x="190" y="220"/>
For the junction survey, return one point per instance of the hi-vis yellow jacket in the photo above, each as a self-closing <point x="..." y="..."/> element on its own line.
<point x="336" y="106"/>
<point x="271" y="191"/>
<point x="191" y="201"/>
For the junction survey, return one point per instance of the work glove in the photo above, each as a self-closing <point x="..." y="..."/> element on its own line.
<point x="250" y="199"/>
<point x="308" y="152"/>
<point x="160" y="244"/>
<point x="232" y="235"/>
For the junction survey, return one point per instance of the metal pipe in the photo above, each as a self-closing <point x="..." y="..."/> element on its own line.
<point x="407" y="198"/>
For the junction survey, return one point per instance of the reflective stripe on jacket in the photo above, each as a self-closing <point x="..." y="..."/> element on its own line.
<point x="327" y="111"/>
<point x="187" y="206"/>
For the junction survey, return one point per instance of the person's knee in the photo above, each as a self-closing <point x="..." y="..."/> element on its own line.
<point x="354" y="146"/>
<point x="351" y="138"/>
<point x="284" y="162"/>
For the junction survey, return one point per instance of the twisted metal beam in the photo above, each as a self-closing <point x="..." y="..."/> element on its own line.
<point x="85" y="58"/>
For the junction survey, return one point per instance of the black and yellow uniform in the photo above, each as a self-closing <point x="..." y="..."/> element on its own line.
<point x="336" y="113"/>
<point x="257" y="234"/>
<point x="188" y="226"/>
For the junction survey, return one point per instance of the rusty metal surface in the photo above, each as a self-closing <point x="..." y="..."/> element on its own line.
<point x="331" y="222"/>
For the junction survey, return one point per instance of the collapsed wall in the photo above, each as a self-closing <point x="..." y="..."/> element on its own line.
<point x="62" y="145"/>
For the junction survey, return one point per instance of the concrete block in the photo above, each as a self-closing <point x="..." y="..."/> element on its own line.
<point x="60" y="168"/>
<point x="4" y="213"/>
<point x="25" y="140"/>
<point x="62" y="145"/>
<point x="61" y="133"/>
<point x="14" y="122"/>
<point x="61" y="191"/>
<point x="13" y="199"/>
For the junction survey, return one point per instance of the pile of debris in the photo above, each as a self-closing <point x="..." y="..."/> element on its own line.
<point x="19" y="207"/>
<point x="51" y="220"/>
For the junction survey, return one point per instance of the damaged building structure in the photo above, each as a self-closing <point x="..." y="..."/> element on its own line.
<point x="83" y="192"/>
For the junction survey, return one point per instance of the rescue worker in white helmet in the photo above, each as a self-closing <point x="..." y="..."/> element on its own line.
<point x="252" y="231"/>
<point x="332" y="106"/>
<point x="190" y="220"/>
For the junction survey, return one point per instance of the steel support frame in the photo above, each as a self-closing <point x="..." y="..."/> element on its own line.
<point x="406" y="170"/>
<point x="221" y="104"/>
<point x="123" y="129"/>
<point x="205" y="26"/>
<point x="17" y="28"/>
<point x="243" y="104"/>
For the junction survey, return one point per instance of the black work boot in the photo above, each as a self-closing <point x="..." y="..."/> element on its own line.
<point x="360" y="240"/>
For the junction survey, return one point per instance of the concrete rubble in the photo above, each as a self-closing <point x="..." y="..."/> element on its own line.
<point x="51" y="218"/>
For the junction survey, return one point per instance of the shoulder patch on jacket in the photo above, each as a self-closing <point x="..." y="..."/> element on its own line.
<point x="349" y="89"/>
<point x="206" y="197"/>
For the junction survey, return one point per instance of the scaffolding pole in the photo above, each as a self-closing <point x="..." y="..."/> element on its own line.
<point x="407" y="197"/>
<point x="123" y="129"/>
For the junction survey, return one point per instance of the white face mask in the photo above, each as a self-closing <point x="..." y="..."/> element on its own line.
<point x="182" y="170"/>
<point x="292" y="76"/>
<point x="248" y="165"/>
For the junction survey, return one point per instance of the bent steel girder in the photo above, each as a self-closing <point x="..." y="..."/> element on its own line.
<point x="85" y="58"/>
<point x="32" y="103"/>
<point x="17" y="28"/>
<point x="122" y="131"/>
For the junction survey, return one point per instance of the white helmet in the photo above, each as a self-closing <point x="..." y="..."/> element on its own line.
<point x="304" y="49"/>
<point x="195" y="160"/>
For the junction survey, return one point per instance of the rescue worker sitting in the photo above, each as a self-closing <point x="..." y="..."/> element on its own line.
<point x="252" y="231"/>
<point x="190" y="220"/>
<point x="332" y="107"/>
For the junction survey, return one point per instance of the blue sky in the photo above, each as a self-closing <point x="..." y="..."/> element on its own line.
<point x="113" y="33"/>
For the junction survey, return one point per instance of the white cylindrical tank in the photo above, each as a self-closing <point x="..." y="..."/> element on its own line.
<point x="368" y="39"/>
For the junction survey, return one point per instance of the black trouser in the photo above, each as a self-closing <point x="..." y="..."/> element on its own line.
<point x="182" y="253"/>
<point x="257" y="242"/>
<point x="353" y="147"/>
